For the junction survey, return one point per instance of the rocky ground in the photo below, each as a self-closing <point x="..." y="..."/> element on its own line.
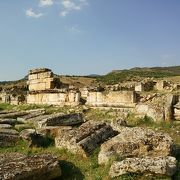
<point x="47" y="142"/>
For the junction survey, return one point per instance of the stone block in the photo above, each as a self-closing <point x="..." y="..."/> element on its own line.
<point x="152" y="165"/>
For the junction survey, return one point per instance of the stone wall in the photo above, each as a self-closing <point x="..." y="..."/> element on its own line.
<point x="58" y="98"/>
<point x="159" y="108"/>
<point x="112" y="99"/>
<point x="12" y="97"/>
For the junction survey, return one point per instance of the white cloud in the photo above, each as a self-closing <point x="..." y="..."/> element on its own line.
<point x="64" y="13"/>
<point x="70" y="5"/>
<point x="46" y="3"/>
<point x="31" y="13"/>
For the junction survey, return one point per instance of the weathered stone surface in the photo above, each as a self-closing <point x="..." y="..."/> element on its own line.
<point x="8" y="121"/>
<point x="7" y="111"/>
<point x="168" y="107"/>
<point x="32" y="114"/>
<point x="17" y="166"/>
<point x="155" y="112"/>
<point x="85" y="139"/>
<point x="5" y="126"/>
<point x="13" y="114"/>
<point x="33" y="138"/>
<point x="8" y="137"/>
<point x="55" y="98"/>
<point x="52" y="131"/>
<point x="61" y="120"/>
<point x="21" y="127"/>
<point x="136" y="142"/>
<point x="38" y="118"/>
<point x="111" y="99"/>
<point x="177" y="111"/>
<point x="157" y="165"/>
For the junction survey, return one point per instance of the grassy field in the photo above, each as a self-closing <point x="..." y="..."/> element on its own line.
<point x="77" y="167"/>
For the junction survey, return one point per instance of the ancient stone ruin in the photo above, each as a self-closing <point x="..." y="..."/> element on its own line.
<point x="44" y="88"/>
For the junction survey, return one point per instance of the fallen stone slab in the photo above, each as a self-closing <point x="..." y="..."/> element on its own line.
<point x="157" y="165"/>
<point x="8" y="137"/>
<point x="32" y="114"/>
<point x="20" y="127"/>
<point x="37" y="118"/>
<point x="5" y="126"/>
<point x="7" y="111"/>
<point x="13" y="114"/>
<point x="136" y="142"/>
<point x="61" y="120"/>
<point x="17" y="166"/>
<point x="8" y="121"/>
<point x="84" y="139"/>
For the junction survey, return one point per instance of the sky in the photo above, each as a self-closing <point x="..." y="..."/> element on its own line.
<point x="81" y="37"/>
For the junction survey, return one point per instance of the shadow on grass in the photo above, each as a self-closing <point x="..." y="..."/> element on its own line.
<point x="70" y="171"/>
<point x="177" y="174"/>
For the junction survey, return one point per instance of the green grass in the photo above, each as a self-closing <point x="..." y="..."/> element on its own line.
<point x="124" y="75"/>
<point x="77" y="167"/>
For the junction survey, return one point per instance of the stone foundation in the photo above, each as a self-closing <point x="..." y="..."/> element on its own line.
<point x="71" y="98"/>
<point x="111" y="99"/>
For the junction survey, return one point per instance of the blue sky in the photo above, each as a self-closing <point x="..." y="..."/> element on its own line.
<point x="87" y="36"/>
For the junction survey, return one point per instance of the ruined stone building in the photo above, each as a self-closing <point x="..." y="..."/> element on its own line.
<point x="13" y="96"/>
<point x="44" y="88"/>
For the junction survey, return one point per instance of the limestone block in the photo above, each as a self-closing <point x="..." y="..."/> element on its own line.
<point x="113" y="98"/>
<point x="19" y="166"/>
<point x="160" y="85"/>
<point x="72" y="97"/>
<point x="32" y="77"/>
<point x="5" y="126"/>
<point x="8" y="137"/>
<point x="63" y="97"/>
<point x="139" y="87"/>
<point x="13" y="114"/>
<point x="157" y="165"/>
<point x="8" y="121"/>
<point x="77" y="97"/>
<point x="44" y="75"/>
<point x="136" y="142"/>
<point x="37" y="87"/>
<point x="61" y="120"/>
<point x="85" y="139"/>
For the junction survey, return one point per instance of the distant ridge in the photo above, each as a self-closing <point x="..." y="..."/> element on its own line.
<point x="173" y="69"/>
<point x="114" y="76"/>
<point x="117" y="76"/>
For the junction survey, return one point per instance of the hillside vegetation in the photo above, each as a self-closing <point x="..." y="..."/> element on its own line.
<point x="138" y="73"/>
<point x="113" y="77"/>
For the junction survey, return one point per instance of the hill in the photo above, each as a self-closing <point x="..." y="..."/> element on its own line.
<point x="113" y="77"/>
<point x="117" y="76"/>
